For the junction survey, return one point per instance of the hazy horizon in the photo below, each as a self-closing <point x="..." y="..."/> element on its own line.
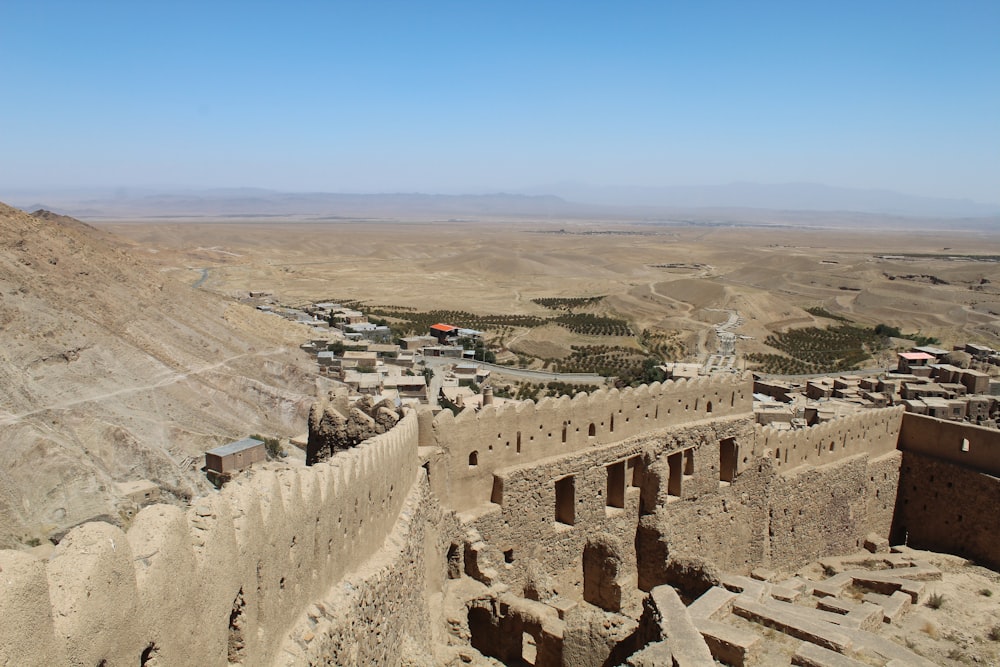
<point x="455" y="98"/>
<point x="735" y="202"/>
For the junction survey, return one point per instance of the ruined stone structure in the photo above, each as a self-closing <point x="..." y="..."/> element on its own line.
<point x="555" y="517"/>
<point x="336" y="424"/>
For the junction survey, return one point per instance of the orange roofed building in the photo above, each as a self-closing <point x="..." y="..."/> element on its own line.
<point x="444" y="333"/>
<point x="910" y="360"/>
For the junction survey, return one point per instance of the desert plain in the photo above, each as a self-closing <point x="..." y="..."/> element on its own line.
<point x="672" y="277"/>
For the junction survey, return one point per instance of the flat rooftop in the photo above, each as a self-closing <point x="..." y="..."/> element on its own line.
<point x="237" y="446"/>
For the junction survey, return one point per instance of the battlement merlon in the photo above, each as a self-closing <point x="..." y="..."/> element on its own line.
<point x="479" y="443"/>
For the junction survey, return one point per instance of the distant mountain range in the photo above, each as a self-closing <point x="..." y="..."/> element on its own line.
<point x="783" y="196"/>
<point x="791" y="203"/>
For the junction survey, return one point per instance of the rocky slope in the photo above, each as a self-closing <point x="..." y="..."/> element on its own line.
<point x="110" y="372"/>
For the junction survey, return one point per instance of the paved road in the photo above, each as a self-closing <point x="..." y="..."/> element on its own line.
<point x="806" y="376"/>
<point x="523" y="373"/>
<point x="204" y="277"/>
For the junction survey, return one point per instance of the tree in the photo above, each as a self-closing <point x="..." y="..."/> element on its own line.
<point x="886" y="331"/>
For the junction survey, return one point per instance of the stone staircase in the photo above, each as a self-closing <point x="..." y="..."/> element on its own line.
<point x="837" y="620"/>
<point x="836" y="629"/>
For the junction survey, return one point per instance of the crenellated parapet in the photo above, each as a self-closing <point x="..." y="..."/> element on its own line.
<point x="479" y="443"/>
<point x="226" y="580"/>
<point x="219" y="583"/>
<point x="964" y="444"/>
<point x="873" y="432"/>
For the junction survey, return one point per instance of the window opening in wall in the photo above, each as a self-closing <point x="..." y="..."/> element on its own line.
<point x="688" y="462"/>
<point x="615" y="496"/>
<point x="708" y="408"/>
<point x="518" y="442"/>
<point x="455" y="564"/>
<point x="566" y="500"/>
<point x="636" y="468"/>
<point x="473" y="458"/>
<point x="564" y="433"/>
<point x="496" y="495"/>
<point x="696" y="404"/>
<point x="592" y="431"/>
<point x="612" y="423"/>
<point x="529" y="651"/>
<point x="732" y="399"/>
<point x="656" y="412"/>
<point x="675" y="463"/>
<point x="965" y="444"/>
<point x="729" y="454"/>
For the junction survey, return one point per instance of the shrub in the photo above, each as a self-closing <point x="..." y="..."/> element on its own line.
<point x="935" y="601"/>
<point x="271" y="445"/>
<point x="986" y="592"/>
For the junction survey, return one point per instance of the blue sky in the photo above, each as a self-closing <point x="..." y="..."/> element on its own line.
<point x="487" y="96"/>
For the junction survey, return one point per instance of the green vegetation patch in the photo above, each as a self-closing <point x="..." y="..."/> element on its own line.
<point x="820" y="311"/>
<point x="569" y="303"/>
<point x="594" y="325"/>
<point x="631" y="366"/>
<point x="663" y="344"/>
<point x="832" y="350"/>
<point x="815" y="350"/>
<point x="536" y="391"/>
<point x="407" y="322"/>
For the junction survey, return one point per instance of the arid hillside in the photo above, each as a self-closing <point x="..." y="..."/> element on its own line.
<point x="111" y="371"/>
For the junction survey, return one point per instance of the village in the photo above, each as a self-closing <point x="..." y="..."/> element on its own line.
<point x="441" y="370"/>
<point x="445" y="367"/>
<point x="955" y="385"/>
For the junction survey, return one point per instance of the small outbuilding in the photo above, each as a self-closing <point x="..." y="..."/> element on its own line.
<point x="142" y="492"/>
<point x="223" y="461"/>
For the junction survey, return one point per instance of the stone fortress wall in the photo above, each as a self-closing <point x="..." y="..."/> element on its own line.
<point x="221" y="583"/>
<point x="340" y="559"/>
<point x="949" y="488"/>
<point x="673" y="469"/>
<point x="478" y="444"/>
